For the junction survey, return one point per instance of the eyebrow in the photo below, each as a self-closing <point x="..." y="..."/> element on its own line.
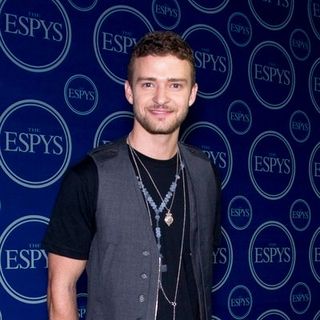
<point x="155" y="79"/>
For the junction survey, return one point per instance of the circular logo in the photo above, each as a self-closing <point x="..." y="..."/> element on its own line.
<point x="166" y="13"/>
<point x="300" y="215"/>
<point x="239" y="29"/>
<point x="300" y="298"/>
<point x="222" y="261"/>
<point x="82" y="305"/>
<point x="215" y="6"/>
<point x="314" y="15"/>
<point x="212" y="60"/>
<point x="271" y="159"/>
<point x="273" y="15"/>
<point x="202" y="134"/>
<point x="271" y="75"/>
<point x="300" y="44"/>
<point x="23" y="259"/>
<point x="273" y="314"/>
<point x="240" y="302"/>
<point x="314" y="169"/>
<point x="300" y="126"/>
<point x="113" y="127"/>
<point x="33" y="133"/>
<point x="240" y="212"/>
<point x="113" y="41"/>
<point x="81" y="94"/>
<point x="83" y="5"/>
<point x="30" y="26"/>
<point x="272" y="255"/>
<point x="314" y="84"/>
<point x="314" y="254"/>
<point x="239" y="117"/>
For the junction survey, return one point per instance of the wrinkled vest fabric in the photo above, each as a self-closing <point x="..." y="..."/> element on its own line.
<point x="123" y="266"/>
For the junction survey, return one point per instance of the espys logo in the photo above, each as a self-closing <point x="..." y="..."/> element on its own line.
<point x="314" y="15"/>
<point x="314" y="254"/>
<point x="203" y="134"/>
<point x="240" y="302"/>
<point x="222" y="261"/>
<point x="239" y="117"/>
<point x="240" y="212"/>
<point x="83" y="5"/>
<point x="113" y="127"/>
<point x="300" y="215"/>
<point x="29" y="26"/>
<point x="215" y="6"/>
<point x="271" y="165"/>
<point x="271" y="75"/>
<point x="113" y="41"/>
<point x="300" y="44"/>
<point x="273" y="314"/>
<point x="300" y="298"/>
<point x="166" y="13"/>
<point x="272" y="255"/>
<point x="32" y="133"/>
<point x="314" y="169"/>
<point x="300" y="127"/>
<point x="274" y="15"/>
<point x="212" y="59"/>
<point x="81" y="94"/>
<point x="23" y="260"/>
<point x="239" y="29"/>
<point x="82" y="305"/>
<point x="314" y="84"/>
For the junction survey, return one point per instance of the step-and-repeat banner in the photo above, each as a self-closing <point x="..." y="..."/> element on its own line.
<point x="62" y="69"/>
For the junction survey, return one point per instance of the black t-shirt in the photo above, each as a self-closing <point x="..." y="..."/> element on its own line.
<point x="72" y="227"/>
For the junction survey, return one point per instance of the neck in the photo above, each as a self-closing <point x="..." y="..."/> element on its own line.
<point x="156" y="146"/>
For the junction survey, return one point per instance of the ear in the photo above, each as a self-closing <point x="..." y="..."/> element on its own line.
<point x="193" y="94"/>
<point x="128" y="92"/>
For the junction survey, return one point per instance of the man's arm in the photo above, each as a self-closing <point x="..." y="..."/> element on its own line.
<point x="63" y="274"/>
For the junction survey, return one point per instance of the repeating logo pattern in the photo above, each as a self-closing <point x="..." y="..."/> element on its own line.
<point x="63" y="64"/>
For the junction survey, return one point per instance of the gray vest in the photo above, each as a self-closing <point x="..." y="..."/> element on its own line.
<point x="123" y="266"/>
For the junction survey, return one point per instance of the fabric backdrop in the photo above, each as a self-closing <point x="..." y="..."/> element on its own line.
<point x="62" y="69"/>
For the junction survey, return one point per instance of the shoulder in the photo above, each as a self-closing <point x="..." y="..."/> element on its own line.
<point x="195" y="151"/>
<point x="107" y="151"/>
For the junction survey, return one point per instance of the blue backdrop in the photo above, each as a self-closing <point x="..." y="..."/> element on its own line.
<point x="62" y="68"/>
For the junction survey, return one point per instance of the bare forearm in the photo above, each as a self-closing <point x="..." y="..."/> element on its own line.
<point x="62" y="305"/>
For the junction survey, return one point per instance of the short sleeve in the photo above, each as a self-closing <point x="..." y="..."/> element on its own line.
<point x="72" y="223"/>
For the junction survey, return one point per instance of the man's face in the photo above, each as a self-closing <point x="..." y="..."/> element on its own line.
<point x="161" y="93"/>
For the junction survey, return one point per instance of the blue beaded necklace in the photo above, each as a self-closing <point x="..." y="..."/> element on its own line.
<point x="158" y="210"/>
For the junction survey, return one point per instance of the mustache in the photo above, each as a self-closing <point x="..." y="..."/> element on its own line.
<point x="157" y="106"/>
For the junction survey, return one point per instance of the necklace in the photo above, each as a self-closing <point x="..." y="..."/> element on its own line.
<point x="172" y="302"/>
<point x="168" y="219"/>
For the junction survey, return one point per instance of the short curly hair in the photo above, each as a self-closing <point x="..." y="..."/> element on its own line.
<point x="162" y="43"/>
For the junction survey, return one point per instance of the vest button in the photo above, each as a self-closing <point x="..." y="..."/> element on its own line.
<point x="146" y="253"/>
<point x="141" y="298"/>
<point x="144" y="276"/>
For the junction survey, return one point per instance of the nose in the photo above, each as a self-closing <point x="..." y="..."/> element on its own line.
<point x="160" y="95"/>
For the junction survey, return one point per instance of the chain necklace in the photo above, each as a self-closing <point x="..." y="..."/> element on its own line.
<point x="168" y="219"/>
<point x="173" y="302"/>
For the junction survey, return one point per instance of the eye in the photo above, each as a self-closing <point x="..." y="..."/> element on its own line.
<point x="176" y="85"/>
<point x="147" y="84"/>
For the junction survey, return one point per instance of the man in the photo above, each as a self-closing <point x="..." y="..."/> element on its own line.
<point x="139" y="214"/>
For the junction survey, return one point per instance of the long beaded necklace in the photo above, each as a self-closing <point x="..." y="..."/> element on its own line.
<point x="173" y="302"/>
<point x="168" y="219"/>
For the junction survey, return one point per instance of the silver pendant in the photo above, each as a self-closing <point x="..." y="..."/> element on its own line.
<point x="168" y="219"/>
